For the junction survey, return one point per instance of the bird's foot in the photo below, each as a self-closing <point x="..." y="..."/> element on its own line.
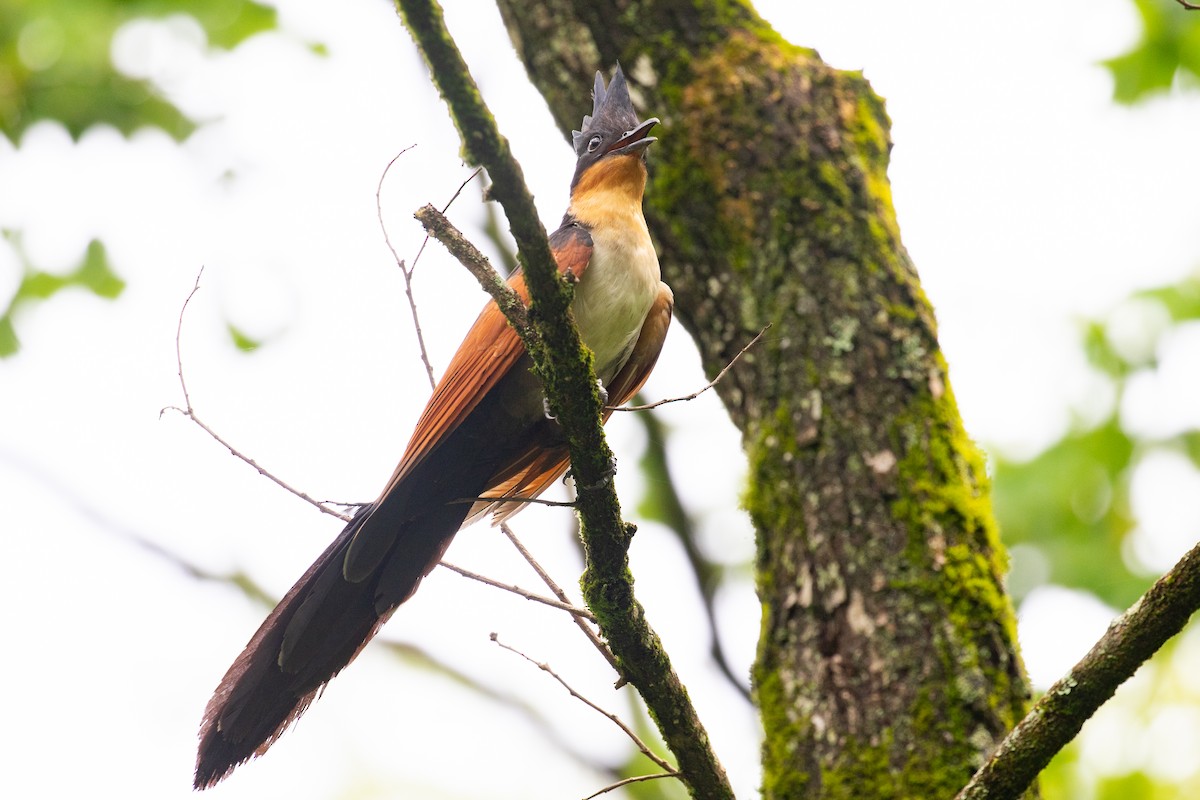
<point x="603" y="392"/>
<point x="606" y="477"/>
<point x="546" y="409"/>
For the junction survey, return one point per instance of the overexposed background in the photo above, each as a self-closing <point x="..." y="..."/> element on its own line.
<point x="1027" y="200"/>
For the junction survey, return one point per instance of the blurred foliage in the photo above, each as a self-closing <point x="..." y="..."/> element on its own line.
<point x="1141" y="745"/>
<point x="94" y="273"/>
<point x="1070" y="506"/>
<point x="1169" y="45"/>
<point x="55" y="61"/>
<point x="241" y="340"/>
<point x="56" y="64"/>
<point x="1071" y="502"/>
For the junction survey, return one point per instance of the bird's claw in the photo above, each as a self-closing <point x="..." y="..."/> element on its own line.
<point x="609" y="472"/>
<point x="546" y="409"/>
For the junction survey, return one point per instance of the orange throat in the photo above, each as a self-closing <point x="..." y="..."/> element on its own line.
<point x="611" y="189"/>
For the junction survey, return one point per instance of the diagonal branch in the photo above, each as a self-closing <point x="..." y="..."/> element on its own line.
<point x="569" y="380"/>
<point x="637" y="741"/>
<point x="1055" y="719"/>
<point x="702" y="389"/>
<point x="477" y="264"/>
<point x="586" y="629"/>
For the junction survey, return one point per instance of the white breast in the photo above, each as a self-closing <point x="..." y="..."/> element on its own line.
<point x="618" y="288"/>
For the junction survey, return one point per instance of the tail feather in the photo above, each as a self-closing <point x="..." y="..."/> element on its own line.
<point x="315" y="632"/>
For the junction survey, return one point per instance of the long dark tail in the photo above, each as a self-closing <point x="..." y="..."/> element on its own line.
<point x="315" y="631"/>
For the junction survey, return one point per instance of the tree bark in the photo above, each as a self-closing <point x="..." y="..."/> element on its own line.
<point x="887" y="664"/>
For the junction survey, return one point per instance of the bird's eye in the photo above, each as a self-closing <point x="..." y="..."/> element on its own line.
<point x="593" y="144"/>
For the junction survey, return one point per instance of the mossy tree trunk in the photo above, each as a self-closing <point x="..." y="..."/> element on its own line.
<point x="887" y="664"/>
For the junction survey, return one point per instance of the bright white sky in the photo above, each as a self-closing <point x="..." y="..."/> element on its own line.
<point x="1026" y="199"/>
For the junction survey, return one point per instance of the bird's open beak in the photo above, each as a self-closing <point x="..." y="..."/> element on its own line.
<point x="634" y="141"/>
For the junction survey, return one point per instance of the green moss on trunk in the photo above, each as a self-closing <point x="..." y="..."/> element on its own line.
<point x="887" y="662"/>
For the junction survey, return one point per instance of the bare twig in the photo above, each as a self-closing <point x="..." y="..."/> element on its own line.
<point x="1189" y="6"/>
<point x="537" y="501"/>
<point x="700" y="391"/>
<point x="405" y="271"/>
<point x="591" y="634"/>
<point x="517" y="590"/>
<point x="190" y="412"/>
<point x="646" y="751"/>
<point x="634" y="779"/>
<point x="409" y="272"/>
<point x="477" y="264"/>
<point x="1054" y="720"/>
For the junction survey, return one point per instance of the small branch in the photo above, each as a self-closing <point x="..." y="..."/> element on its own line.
<point x="591" y="635"/>
<point x="407" y="273"/>
<point x="537" y="501"/>
<point x="634" y="779"/>
<point x="646" y="751"/>
<point x="333" y="512"/>
<point x="1131" y="639"/>
<point x="189" y="412"/>
<point x="698" y="392"/>
<point x="477" y="264"/>
<point x="517" y="590"/>
<point x="1189" y="6"/>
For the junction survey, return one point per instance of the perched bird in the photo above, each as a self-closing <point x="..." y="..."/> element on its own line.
<point x="484" y="434"/>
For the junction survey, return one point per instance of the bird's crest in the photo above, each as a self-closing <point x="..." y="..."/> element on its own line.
<point x="612" y="110"/>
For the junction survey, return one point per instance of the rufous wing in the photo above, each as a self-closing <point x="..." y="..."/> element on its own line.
<point x="539" y="466"/>
<point x="490" y="351"/>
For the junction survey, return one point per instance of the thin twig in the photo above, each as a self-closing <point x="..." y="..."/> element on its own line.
<point x="407" y="273"/>
<point x="537" y="501"/>
<point x="477" y="264"/>
<point x="646" y="751"/>
<point x="700" y="391"/>
<point x="190" y="412"/>
<point x="1189" y="6"/>
<point x="634" y="779"/>
<point x="425" y="241"/>
<point x="517" y="590"/>
<point x="258" y="468"/>
<point x="591" y="634"/>
<point x="562" y="603"/>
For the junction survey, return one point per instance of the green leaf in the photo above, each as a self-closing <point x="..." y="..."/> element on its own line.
<point x="1169" y="44"/>
<point x="240" y="340"/>
<point x="96" y="273"/>
<point x="9" y="343"/>
<point x="1181" y="300"/>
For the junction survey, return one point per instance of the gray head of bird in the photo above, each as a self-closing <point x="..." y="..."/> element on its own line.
<point x="612" y="131"/>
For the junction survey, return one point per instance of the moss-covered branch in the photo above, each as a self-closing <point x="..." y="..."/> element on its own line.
<point x="568" y="377"/>
<point x="509" y="302"/>
<point x="1053" y="722"/>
